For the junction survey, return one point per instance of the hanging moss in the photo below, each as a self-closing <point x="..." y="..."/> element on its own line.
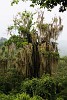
<point x="33" y="53"/>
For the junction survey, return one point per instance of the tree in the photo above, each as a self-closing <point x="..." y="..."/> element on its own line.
<point x="43" y="52"/>
<point x="49" y="34"/>
<point x="47" y="3"/>
<point x="22" y="23"/>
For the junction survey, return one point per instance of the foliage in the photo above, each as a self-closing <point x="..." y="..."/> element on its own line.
<point x="22" y="96"/>
<point x="6" y="97"/>
<point x="22" y="23"/>
<point x="20" y="58"/>
<point x="44" y="87"/>
<point x="36" y="98"/>
<point x="61" y="78"/>
<point x="17" y="40"/>
<point x="51" y="3"/>
<point x="10" y="81"/>
<point x="42" y="34"/>
<point x="18" y="96"/>
<point x="59" y="98"/>
<point x="47" y="3"/>
<point x="24" y="55"/>
<point x="61" y="69"/>
<point x="29" y="86"/>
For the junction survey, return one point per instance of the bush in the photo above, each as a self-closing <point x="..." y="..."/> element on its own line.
<point x="10" y="81"/>
<point x="22" y="96"/>
<point x="59" y="98"/>
<point x="36" y="98"/>
<point x="29" y="86"/>
<point x="7" y="97"/>
<point x="44" y="87"/>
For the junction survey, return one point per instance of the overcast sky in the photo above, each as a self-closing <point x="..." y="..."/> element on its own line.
<point x="7" y="12"/>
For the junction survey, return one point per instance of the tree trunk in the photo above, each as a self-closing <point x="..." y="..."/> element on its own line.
<point x="35" y="60"/>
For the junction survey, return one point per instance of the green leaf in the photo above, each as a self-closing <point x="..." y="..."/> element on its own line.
<point x="32" y="5"/>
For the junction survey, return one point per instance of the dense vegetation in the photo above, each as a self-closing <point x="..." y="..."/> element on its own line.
<point x="14" y="87"/>
<point x="30" y="66"/>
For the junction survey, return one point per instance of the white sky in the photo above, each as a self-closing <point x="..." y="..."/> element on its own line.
<point x="7" y="12"/>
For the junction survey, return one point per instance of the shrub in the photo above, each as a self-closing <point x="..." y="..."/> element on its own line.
<point x="29" y="86"/>
<point x="59" y="98"/>
<point x="7" y="97"/>
<point x="46" y="88"/>
<point x="22" y="96"/>
<point x="36" y="98"/>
